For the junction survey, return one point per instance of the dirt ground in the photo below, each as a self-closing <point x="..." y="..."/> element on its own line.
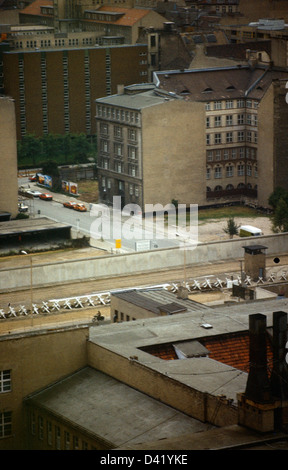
<point x="213" y="230"/>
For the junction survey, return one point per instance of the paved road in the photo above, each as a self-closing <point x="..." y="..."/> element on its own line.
<point x="106" y="223"/>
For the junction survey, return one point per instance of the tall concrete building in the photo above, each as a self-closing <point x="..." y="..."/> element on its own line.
<point x="55" y="90"/>
<point x="8" y="159"/>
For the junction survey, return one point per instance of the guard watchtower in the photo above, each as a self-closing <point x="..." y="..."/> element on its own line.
<point x="255" y="261"/>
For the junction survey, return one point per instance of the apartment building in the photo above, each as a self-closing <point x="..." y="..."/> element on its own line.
<point x="214" y="138"/>
<point x="55" y="90"/>
<point x="245" y="127"/>
<point x="139" y="156"/>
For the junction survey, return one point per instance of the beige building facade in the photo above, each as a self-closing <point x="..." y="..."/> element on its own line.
<point x="204" y="137"/>
<point x="139" y="157"/>
<point x="8" y="158"/>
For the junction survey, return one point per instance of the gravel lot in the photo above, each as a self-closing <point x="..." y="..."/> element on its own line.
<point x="212" y="230"/>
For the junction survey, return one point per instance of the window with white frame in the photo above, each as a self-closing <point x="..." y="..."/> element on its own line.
<point x="240" y="119"/>
<point x="229" y="171"/>
<point x="217" y="121"/>
<point x="229" y="120"/>
<point x="5" y="424"/>
<point x="240" y="169"/>
<point x="5" y="381"/>
<point x="229" y="137"/>
<point x="208" y="139"/>
<point x="240" y="136"/>
<point x="210" y="156"/>
<point x="218" y="105"/>
<point x="217" y="139"/>
<point x="218" y="172"/>
<point x="208" y="173"/>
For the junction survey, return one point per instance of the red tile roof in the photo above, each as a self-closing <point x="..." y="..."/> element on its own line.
<point x="233" y="350"/>
<point x="230" y="349"/>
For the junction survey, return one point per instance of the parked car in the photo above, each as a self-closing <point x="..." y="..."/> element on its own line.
<point x="80" y="207"/>
<point x="69" y="204"/>
<point x="46" y="197"/>
<point x="33" y="193"/>
<point x="33" y="178"/>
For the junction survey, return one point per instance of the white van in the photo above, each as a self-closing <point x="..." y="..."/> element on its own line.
<point x="249" y="231"/>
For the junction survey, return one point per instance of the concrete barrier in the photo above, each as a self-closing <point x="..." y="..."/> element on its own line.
<point x="125" y="264"/>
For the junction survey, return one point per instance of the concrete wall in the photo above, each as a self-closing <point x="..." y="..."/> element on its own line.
<point x="8" y="157"/>
<point x="125" y="264"/>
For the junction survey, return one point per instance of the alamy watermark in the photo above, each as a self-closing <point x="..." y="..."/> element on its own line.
<point x="159" y="222"/>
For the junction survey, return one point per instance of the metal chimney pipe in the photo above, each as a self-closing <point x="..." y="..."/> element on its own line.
<point x="258" y="385"/>
<point x="279" y="375"/>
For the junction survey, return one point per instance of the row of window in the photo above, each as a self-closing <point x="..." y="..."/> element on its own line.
<point x="232" y="120"/>
<point x="55" y="437"/>
<point x="230" y="171"/>
<point x="118" y="132"/>
<point x="230" y="187"/>
<point x="230" y="104"/>
<point x="231" y="154"/>
<point x="119" y="150"/>
<point x="231" y="137"/>
<point x="131" y="169"/>
<point x="108" y="112"/>
<point x="106" y="184"/>
<point x="32" y="44"/>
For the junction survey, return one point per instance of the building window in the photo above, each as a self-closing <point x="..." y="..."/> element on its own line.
<point x="249" y="170"/>
<point x="75" y="443"/>
<point x="229" y="104"/>
<point x="5" y="424"/>
<point x="217" y="121"/>
<point x="210" y="156"/>
<point x="217" y="138"/>
<point x="118" y="150"/>
<point x="240" y="119"/>
<point x="208" y="173"/>
<point x="207" y="106"/>
<point x="132" y="134"/>
<point x="57" y="438"/>
<point x="208" y="139"/>
<point x="49" y="433"/>
<point x="218" y="172"/>
<point x="118" y="133"/>
<point x="229" y="120"/>
<point x="67" y="440"/>
<point x="207" y="122"/>
<point x="229" y="137"/>
<point x="240" y="136"/>
<point x="229" y="171"/>
<point x="218" y="105"/>
<point x="240" y="169"/>
<point x="5" y="381"/>
<point x="40" y="428"/>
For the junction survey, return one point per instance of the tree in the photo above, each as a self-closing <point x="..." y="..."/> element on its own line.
<point x="231" y="227"/>
<point x="280" y="216"/>
<point x="278" y="193"/>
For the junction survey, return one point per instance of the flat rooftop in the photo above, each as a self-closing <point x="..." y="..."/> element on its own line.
<point x="117" y="413"/>
<point x="139" y="338"/>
